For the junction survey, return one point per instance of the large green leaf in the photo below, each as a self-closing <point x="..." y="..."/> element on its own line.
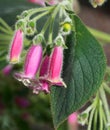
<point x="84" y="67"/>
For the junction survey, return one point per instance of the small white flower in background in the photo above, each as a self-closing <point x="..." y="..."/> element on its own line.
<point x="96" y="3"/>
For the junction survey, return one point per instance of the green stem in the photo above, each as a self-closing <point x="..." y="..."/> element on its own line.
<point x="95" y="119"/>
<point x="41" y="15"/>
<point x="106" y="87"/>
<point x="90" y="119"/>
<point x="53" y="16"/>
<point x="100" y="116"/>
<point x="33" y="11"/>
<point x="105" y="104"/>
<point x="45" y="26"/>
<point x="100" y="35"/>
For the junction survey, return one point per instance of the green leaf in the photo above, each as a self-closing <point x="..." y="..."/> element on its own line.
<point x="83" y="72"/>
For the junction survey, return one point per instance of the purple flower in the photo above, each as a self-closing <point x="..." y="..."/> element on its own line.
<point x="44" y="66"/>
<point x="16" y="47"/>
<point x="31" y="66"/>
<point x="43" y="85"/>
<point x="7" y="69"/>
<point x="22" y="102"/>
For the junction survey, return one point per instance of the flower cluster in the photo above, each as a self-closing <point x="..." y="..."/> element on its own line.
<point x="47" y="69"/>
<point x="44" y="59"/>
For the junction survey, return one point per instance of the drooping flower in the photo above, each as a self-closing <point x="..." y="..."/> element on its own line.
<point x="55" y="67"/>
<point x="44" y="66"/>
<point x="39" y="2"/>
<point x="7" y="69"/>
<point x="44" y="85"/>
<point x="16" y="47"/>
<point x="50" y="72"/>
<point x="32" y="64"/>
<point x="33" y="60"/>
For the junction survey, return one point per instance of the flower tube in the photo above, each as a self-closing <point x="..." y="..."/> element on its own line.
<point x="16" y="47"/>
<point x="50" y="72"/>
<point x="44" y="85"/>
<point x="55" y="67"/>
<point x="31" y="66"/>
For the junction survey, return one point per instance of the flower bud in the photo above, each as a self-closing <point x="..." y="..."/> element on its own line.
<point x="38" y="38"/>
<point x="16" y="47"/>
<point x="66" y="28"/>
<point x="24" y="14"/>
<point x="31" y="28"/>
<point x="20" y="24"/>
<point x="59" y="41"/>
<point x="83" y="118"/>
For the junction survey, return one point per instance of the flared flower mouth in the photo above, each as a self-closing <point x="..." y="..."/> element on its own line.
<point x="57" y="82"/>
<point x="26" y="80"/>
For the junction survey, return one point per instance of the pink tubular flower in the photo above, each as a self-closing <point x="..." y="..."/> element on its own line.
<point x="39" y="2"/>
<point x="32" y="64"/>
<point x="33" y="60"/>
<point x="73" y="121"/>
<point x="44" y="85"/>
<point x="7" y="69"/>
<point x="16" y="47"/>
<point x="44" y="66"/>
<point x="50" y="71"/>
<point x="55" y="67"/>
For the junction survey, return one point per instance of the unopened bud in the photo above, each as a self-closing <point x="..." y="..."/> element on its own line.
<point x="66" y="26"/>
<point x="59" y="41"/>
<point x="31" y="28"/>
<point x="21" y="24"/>
<point x="24" y="14"/>
<point x="38" y="39"/>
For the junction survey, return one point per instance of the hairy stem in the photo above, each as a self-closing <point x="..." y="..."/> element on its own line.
<point x="105" y="104"/>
